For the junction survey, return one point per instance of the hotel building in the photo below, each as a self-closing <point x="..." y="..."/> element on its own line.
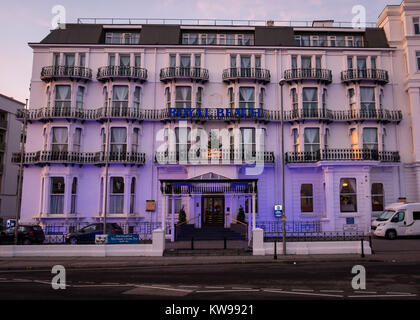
<point x="139" y="104"/>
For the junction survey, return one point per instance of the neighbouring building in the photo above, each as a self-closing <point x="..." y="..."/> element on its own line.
<point x="10" y="133"/>
<point x="351" y="104"/>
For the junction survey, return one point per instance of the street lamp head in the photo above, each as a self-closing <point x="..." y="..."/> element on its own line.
<point x="282" y="82"/>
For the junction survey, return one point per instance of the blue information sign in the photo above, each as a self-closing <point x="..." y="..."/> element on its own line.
<point x="278" y="211"/>
<point x="122" y="238"/>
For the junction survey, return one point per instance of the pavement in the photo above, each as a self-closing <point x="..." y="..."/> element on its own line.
<point x="401" y="250"/>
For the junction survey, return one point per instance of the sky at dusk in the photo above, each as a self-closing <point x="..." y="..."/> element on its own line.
<point x="23" y="21"/>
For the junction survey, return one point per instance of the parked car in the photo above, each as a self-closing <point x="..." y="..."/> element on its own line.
<point x="398" y="219"/>
<point x="87" y="234"/>
<point x="27" y="234"/>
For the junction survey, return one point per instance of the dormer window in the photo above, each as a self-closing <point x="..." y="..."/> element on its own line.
<point x="122" y="38"/>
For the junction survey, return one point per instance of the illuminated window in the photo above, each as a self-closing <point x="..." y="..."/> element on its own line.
<point x="306" y="198"/>
<point x="348" y="195"/>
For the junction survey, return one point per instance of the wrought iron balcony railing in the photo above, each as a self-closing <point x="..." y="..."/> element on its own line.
<point x="177" y="73"/>
<point x="204" y="114"/>
<point x="63" y="72"/>
<point x="253" y="74"/>
<point x="342" y="155"/>
<point x="300" y="74"/>
<point x="97" y="158"/>
<point x="343" y="115"/>
<point x="220" y="156"/>
<point x="109" y="73"/>
<point x="375" y="75"/>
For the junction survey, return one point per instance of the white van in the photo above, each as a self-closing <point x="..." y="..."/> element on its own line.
<point x="398" y="219"/>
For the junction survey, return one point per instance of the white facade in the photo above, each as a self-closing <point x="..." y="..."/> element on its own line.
<point x="356" y="161"/>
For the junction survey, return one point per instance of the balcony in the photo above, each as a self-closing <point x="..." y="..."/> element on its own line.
<point x="361" y="115"/>
<point x="308" y="114"/>
<point x="357" y="75"/>
<point x="342" y="155"/>
<point x="180" y="73"/>
<point x="111" y="73"/>
<point x="66" y="157"/>
<point x="47" y="114"/>
<point x="53" y="73"/>
<point x="343" y="115"/>
<point x="246" y="74"/>
<point x="300" y="75"/>
<point x="218" y="156"/>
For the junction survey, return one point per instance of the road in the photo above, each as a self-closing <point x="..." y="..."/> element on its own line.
<point x="270" y="280"/>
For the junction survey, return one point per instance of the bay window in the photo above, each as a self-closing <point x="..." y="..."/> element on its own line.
<point x="370" y="138"/>
<point x="183" y="142"/>
<point x="59" y="139"/>
<point x="116" y="196"/>
<point x="57" y="195"/>
<point x="182" y="97"/>
<point x="367" y="101"/>
<point x="311" y="140"/>
<point x="248" y="143"/>
<point x="119" y="99"/>
<point x="310" y="102"/>
<point x="118" y="143"/>
<point x="246" y="97"/>
<point x="62" y="98"/>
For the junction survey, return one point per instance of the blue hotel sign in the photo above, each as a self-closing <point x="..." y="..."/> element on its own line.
<point x="208" y="113"/>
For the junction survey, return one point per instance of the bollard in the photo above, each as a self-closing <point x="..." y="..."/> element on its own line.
<point x="192" y="243"/>
<point x="370" y="243"/>
<point x="275" y="249"/>
<point x="224" y="243"/>
<point x="363" y="251"/>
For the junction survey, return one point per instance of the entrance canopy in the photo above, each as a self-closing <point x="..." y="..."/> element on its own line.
<point x="209" y="186"/>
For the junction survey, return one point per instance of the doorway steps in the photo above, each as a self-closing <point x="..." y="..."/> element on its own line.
<point x="188" y="231"/>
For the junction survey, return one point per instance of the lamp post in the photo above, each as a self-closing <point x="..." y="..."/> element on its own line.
<point x="106" y="160"/>
<point x="283" y="217"/>
<point x="20" y="176"/>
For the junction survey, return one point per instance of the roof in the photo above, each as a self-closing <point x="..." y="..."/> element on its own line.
<point x="166" y="34"/>
<point x="11" y="99"/>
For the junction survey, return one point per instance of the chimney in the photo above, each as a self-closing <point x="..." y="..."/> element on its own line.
<point x="269" y="23"/>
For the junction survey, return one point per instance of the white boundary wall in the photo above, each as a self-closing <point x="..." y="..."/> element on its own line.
<point x="94" y="250"/>
<point x="261" y="248"/>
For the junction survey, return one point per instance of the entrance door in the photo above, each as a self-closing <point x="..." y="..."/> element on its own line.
<point x="213" y="210"/>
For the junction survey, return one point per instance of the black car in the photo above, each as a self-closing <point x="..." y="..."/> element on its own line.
<point x="88" y="233"/>
<point x="27" y="234"/>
